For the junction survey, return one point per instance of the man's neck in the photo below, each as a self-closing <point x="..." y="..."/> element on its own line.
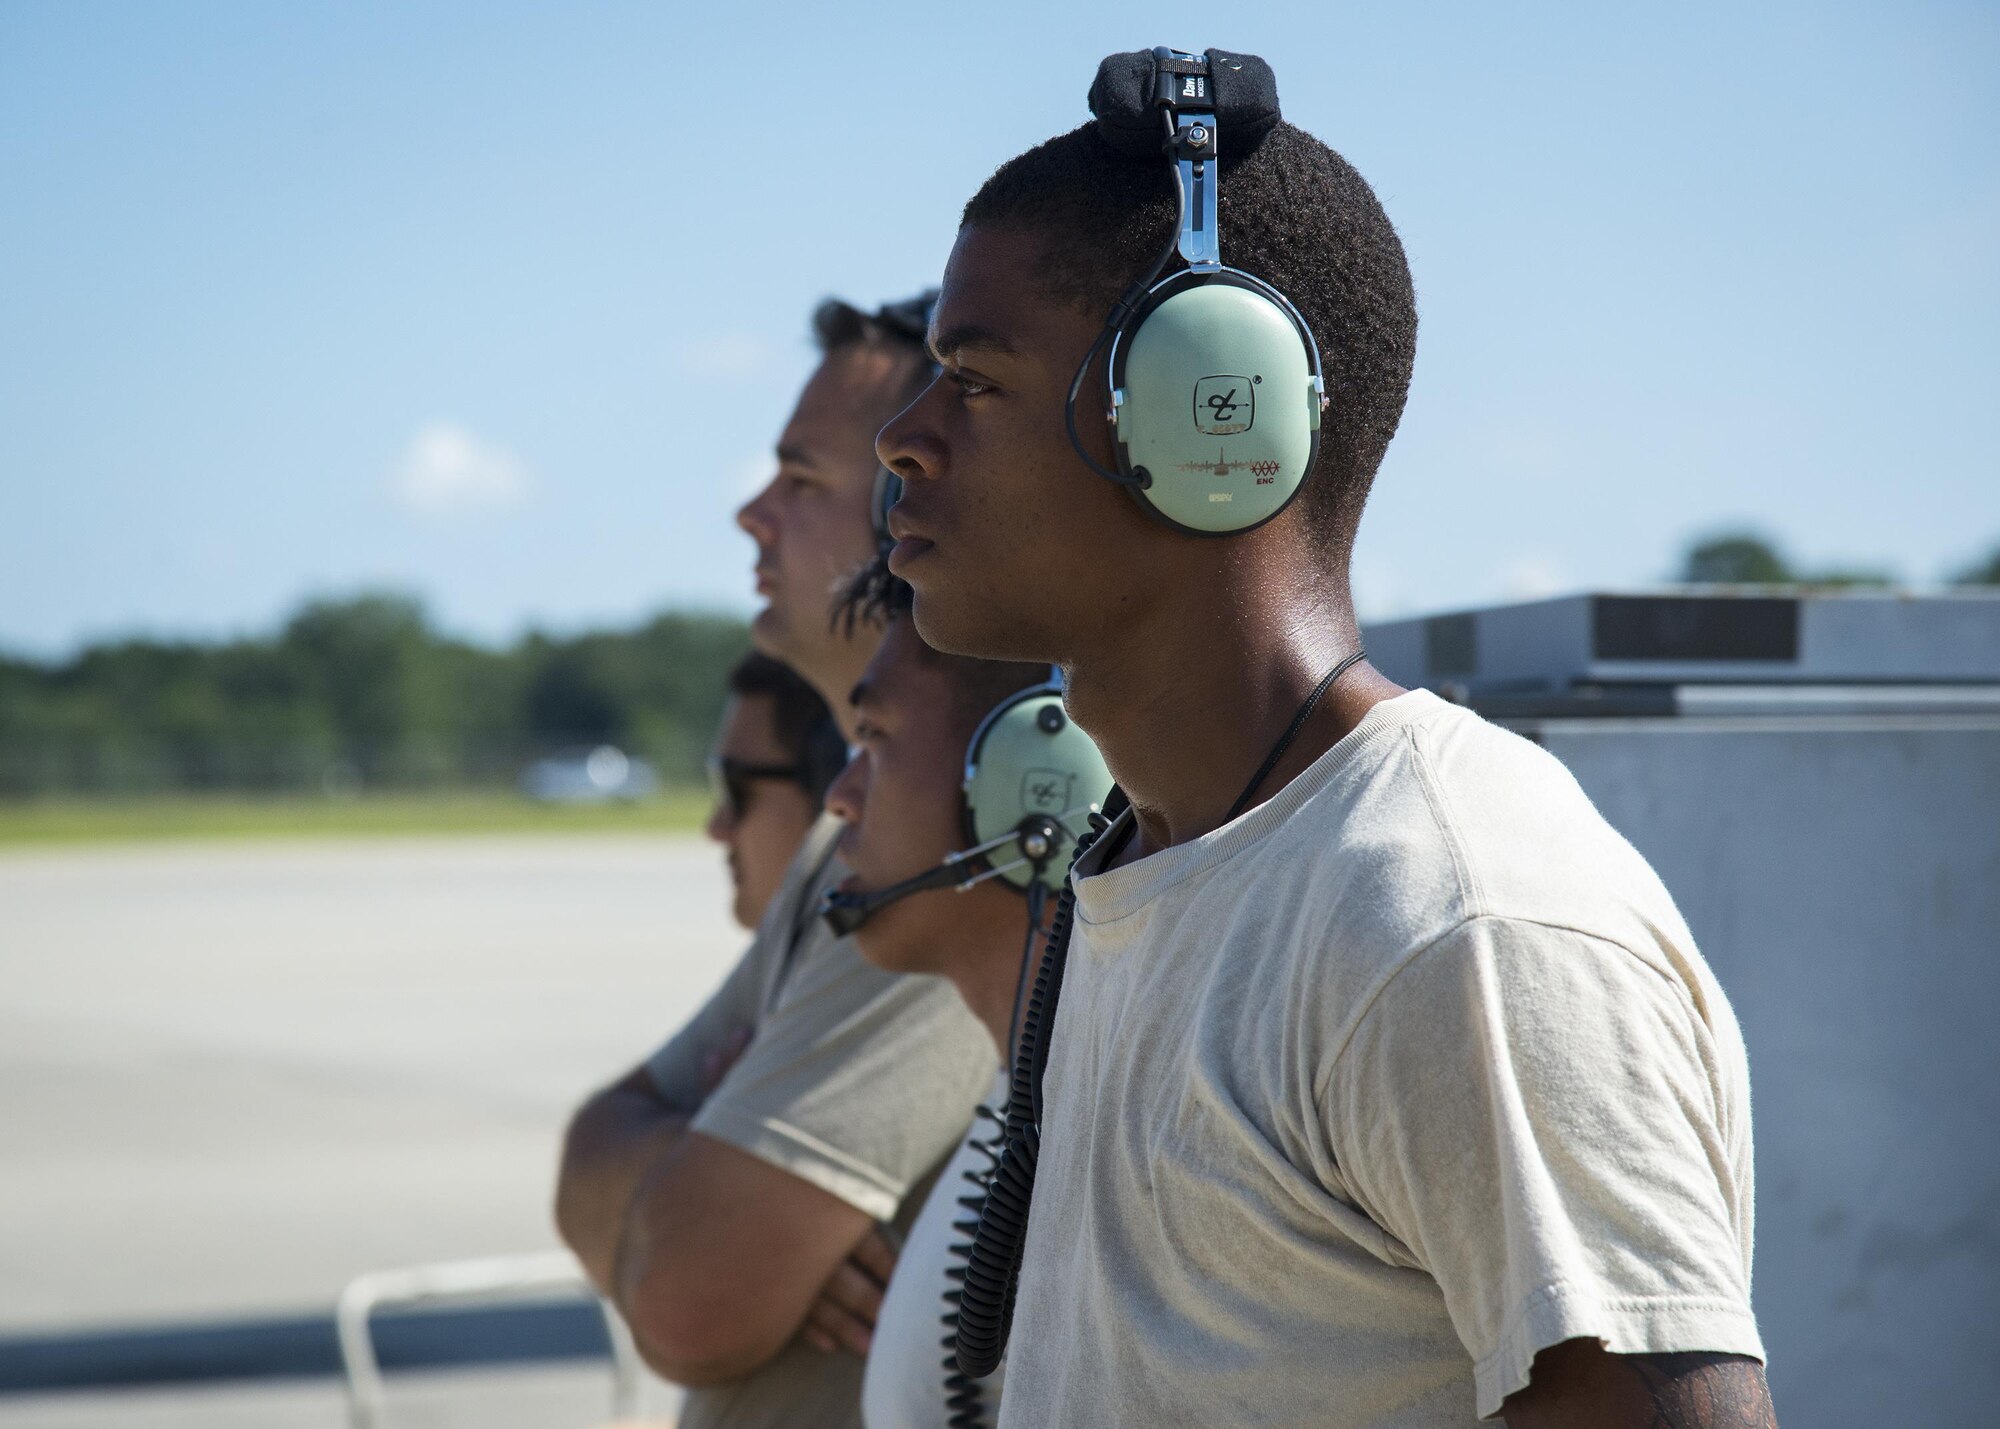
<point x="1186" y="706"/>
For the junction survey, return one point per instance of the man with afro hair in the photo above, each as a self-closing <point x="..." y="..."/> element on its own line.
<point x="1388" y="1087"/>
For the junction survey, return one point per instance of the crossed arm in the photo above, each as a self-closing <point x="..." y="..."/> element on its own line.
<point x="718" y="1259"/>
<point x="1579" y="1385"/>
<point x="715" y="1256"/>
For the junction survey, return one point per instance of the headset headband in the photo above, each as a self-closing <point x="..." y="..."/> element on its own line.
<point x="1182" y="93"/>
<point x="1131" y="89"/>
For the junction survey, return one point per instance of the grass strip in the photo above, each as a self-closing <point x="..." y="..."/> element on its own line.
<point x="80" y="821"/>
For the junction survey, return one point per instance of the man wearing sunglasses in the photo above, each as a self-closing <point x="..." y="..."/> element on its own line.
<point x="728" y="1188"/>
<point x="776" y="752"/>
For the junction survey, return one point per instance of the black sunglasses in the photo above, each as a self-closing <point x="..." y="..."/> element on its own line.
<point x="729" y="780"/>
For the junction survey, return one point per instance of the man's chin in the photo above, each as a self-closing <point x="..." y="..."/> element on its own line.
<point x="975" y="628"/>
<point x="744" y="907"/>
<point x="769" y="633"/>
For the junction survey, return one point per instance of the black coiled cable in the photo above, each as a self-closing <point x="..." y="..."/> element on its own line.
<point x="985" y="1300"/>
<point x="962" y="1399"/>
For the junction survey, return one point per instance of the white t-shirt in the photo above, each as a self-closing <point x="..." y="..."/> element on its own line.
<point x="1360" y="1100"/>
<point x="905" y="1383"/>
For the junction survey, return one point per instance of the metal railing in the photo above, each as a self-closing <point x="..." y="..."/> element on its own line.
<point x="451" y="1282"/>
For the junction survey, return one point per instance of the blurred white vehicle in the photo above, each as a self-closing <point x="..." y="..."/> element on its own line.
<point x="589" y="776"/>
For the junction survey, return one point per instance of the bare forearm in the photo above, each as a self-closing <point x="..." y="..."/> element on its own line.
<point x="611" y="1142"/>
<point x="723" y="1255"/>
<point x="1578" y="1385"/>
<point x="1701" y="1391"/>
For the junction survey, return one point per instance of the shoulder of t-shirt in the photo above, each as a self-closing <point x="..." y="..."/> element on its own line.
<point x="910" y="1017"/>
<point x="794" y="909"/>
<point x="829" y="979"/>
<point x="1529" y="844"/>
<point x="1442" y="819"/>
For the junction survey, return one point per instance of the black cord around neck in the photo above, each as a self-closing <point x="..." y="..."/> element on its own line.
<point x="1117" y="845"/>
<point x="1291" y="733"/>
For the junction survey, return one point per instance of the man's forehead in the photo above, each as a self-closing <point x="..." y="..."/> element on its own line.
<point x="826" y="431"/>
<point x="990" y="300"/>
<point x="847" y="399"/>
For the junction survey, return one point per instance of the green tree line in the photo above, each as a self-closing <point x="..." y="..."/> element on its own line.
<point x="363" y="693"/>
<point x="1750" y="558"/>
<point x="356" y="694"/>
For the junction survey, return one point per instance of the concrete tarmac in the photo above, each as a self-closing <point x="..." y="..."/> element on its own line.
<point x="233" y="1076"/>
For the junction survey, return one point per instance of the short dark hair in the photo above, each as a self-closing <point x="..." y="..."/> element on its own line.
<point x="897" y="328"/>
<point x="1292" y="212"/>
<point x="875" y="596"/>
<point x="799" y="717"/>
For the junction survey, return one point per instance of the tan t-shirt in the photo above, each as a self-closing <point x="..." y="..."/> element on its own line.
<point x="856" y="1080"/>
<point x="1357" y="1102"/>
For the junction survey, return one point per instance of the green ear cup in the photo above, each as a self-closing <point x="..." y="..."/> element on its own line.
<point x="1216" y="396"/>
<point x="1029" y="760"/>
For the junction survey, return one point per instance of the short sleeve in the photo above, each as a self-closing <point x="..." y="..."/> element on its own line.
<point x="857" y="1080"/>
<point x="1543" y="1121"/>
<point x="677" y="1068"/>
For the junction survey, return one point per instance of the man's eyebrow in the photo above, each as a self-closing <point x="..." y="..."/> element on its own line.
<point x="862" y="695"/>
<point x="952" y="340"/>
<point x="794" y="456"/>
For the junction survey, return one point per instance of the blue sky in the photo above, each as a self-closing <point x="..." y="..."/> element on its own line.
<point x="503" y="304"/>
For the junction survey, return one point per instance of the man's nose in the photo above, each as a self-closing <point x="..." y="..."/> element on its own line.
<point x="909" y="445"/>
<point x="754" y="517"/>
<point x="721" y="825"/>
<point x="845" y="795"/>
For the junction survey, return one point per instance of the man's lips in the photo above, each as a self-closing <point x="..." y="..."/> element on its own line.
<point x="906" y="552"/>
<point x="766" y="581"/>
<point x="901" y="527"/>
<point x="911" y="542"/>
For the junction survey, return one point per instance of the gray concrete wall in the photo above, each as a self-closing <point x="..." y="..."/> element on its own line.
<point x="1844" y="883"/>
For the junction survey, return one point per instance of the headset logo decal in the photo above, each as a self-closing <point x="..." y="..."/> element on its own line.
<point x="1046" y="791"/>
<point x="1225" y="405"/>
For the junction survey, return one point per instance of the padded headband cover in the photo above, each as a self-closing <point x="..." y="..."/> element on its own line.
<point x="1243" y="89"/>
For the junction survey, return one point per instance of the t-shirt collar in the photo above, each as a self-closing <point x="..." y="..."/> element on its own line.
<point x="1106" y="897"/>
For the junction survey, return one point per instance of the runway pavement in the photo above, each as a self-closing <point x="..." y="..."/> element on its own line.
<point x="234" y="1076"/>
